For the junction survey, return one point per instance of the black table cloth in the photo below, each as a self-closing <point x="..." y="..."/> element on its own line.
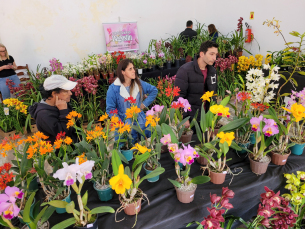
<point x="165" y="211"/>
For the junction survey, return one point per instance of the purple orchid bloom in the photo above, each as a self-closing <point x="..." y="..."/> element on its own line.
<point x="8" y="208"/>
<point x="186" y="104"/>
<point x="255" y="122"/>
<point x="145" y="61"/>
<point x="166" y="139"/>
<point x="186" y="155"/>
<point x="161" y="54"/>
<point x="270" y="128"/>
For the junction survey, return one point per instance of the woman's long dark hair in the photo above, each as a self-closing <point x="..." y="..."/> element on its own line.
<point x="122" y="67"/>
<point x="212" y="28"/>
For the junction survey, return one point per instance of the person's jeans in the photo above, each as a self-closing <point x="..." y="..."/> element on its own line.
<point x="5" y="91"/>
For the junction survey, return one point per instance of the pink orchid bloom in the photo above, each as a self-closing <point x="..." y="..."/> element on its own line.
<point x="150" y="112"/>
<point x="186" y="104"/>
<point x="270" y="128"/>
<point x="186" y="155"/>
<point x="255" y="122"/>
<point x="8" y="207"/>
<point x="157" y="108"/>
<point x="214" y="198"/>
<point x="166" y="139"/>
<point x="173" y="147"/>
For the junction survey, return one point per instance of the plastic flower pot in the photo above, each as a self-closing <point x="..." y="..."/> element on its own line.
<point x="185" y="138"/>
<point x="185" y="196"/>
<point x="93" y="225"/>
<point x="297" y="149"/>
<point x="202" y="160"/>
<point x="164" y="149"/>
<point x="279" y="159"/>
<point x="33" y="185"/>
<point x="68" y="200"/>
<point x="128" y="154"/>
<point x="177" y="63"/>
<point x="132" y="208"/>
<point x="244" y="145"/>
<point x="168" y="65"/>
<point x="104" y="194"/>
<point x="252" y="138"/>
<point x="217" y="178"/>
<point x="153" y="179"/>
<point x="258" y="167"/>
<point x="181" y="165"/>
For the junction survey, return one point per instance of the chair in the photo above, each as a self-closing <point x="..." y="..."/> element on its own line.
<point x="21" y="74"/>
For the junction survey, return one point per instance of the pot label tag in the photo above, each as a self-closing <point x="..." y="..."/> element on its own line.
<point x="224" y="172"/>
<point x="138" y="207"/>
<point x="191" y="196"/>
<point x="283" y="160"/>
<point x="89" y="225"/>
<point x="213" y="79"/>
<point x="6" y="111"/>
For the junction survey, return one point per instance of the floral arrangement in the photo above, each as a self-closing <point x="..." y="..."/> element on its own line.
<point x="56" y="66"/>
<point x="167" y="90"/>
<point x="75" y="70"/>
<point x="244" y="63"/>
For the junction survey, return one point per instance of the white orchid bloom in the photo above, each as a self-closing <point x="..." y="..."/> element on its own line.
<point x="68" y="173"/>
<point x="266" y="66"/>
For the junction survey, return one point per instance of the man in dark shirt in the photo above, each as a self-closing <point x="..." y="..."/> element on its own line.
<point x="188" y="34"/>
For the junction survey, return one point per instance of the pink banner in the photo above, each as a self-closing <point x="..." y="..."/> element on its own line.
<point x="121" y="36"/>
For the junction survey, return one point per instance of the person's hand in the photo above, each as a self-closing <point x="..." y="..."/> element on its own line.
<point x="187" y="124"/>
<point x="142" y="106"/>
<point x="6" y="67"/>
<point x="60" y="104"/>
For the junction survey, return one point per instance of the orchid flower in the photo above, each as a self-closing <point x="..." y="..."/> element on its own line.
<point x="270" y="128"/>
<point x="8" y="207"/>
<point x="158" y="108"/>
<point x="255" y="122"/>
<point x="166" y="139"/>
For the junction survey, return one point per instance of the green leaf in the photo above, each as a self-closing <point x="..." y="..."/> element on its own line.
<point x="85" y="198"/>
<point x="136" y="173"/>
<point x="26" y="211"/>
<point x="103" y="209"/>
<point x="3" y="223"/>
<point x="36" y="209"/>
<point x="283" y="77"/>
<point x="64" y="224"/>
<point x="71" y="206"/>
<point x="200" y="179"/>
<point x="56" y="203"/>
<point x="175" y="183"/>
<point x="154" y="173"/>
<point x="37" y="218"/>
<point x="203" y="123"/>
<point x="182" y="122"/>
<point x="302" y="73"/>
<point x="211" y="146"/>
<point x="116" y="162"/>
<point x="127" y="172"/>
<point x="225" y="101"/>
<point x="235" y="146"/>
<point x="122" y="157"/>
<point x="294" y="81"/>
<point x="48" y="214"/>
<point x="233" y="125"/>
<point x="198" y="131"/>
<point x="140" y="159"/>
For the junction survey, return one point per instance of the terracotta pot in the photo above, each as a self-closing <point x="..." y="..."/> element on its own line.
<point x="105" y="75"/>
<point x="185" y="138"/>
<point x="185" y="197"/>
<point x="164" y="149"/>
<point x="133" y="208"/>
<point x="239" y="53"/>
<point x="217" y="178"/>
<point x="97" y="76"/>
<point x="279" y="159"/>
<point x="111" y="77"/>
<point x="258" y="167"/>
<point x="202" y="160"/>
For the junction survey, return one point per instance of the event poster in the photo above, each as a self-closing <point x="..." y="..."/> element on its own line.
<point x="121" y="36"/>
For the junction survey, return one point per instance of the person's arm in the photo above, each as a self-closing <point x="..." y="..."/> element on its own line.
<point x="14" y="66"/>
<point x="110" y="101"/>
<point x="152" y="92"/>
<point x="4" y="67"/>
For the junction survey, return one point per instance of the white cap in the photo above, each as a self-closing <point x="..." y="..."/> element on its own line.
<point x="58" y="81"/>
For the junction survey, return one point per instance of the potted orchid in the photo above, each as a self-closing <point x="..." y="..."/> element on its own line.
<point x="262" y="127"/>
<point x="70" y="174"/>
<point x="185" y="186"/>
<point x="126" y="183"/>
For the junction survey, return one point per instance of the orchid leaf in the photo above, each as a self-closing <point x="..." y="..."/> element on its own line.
<point x="175" y="183"/>
<point x="64" y="224"/>
<point x="200" y="179"/>
<point x="102" y="209"/>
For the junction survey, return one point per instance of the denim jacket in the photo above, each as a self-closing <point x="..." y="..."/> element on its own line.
<point x="117" y="95"/>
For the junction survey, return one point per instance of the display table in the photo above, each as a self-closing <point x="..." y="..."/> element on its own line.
<point x="165" y="211"/>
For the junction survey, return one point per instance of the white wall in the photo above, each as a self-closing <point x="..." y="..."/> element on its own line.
<point x="35" y="31"/>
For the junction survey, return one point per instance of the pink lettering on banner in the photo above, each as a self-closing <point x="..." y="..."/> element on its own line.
<point x="121" y="36"/>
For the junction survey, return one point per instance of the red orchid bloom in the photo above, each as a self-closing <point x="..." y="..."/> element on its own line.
<point x="115" y="111"/>
<point x="131" y="100"/>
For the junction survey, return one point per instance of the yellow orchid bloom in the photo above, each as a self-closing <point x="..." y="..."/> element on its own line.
<point x="287" y="196"/>
<point x="140" y="148"/>
<point x="297" y="198"/>
<point x="297" y="110"/>
<point x="226" y="137"/>
<point x="301" y="175"/>
<point x="207" y="96"/>
<point x="120" y="182"/>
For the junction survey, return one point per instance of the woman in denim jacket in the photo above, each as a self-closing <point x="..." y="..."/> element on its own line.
<point x="128" y="84"/>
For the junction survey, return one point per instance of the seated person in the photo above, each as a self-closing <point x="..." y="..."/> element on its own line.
<point x="50" y="113"/>
<point x="213" y="32"/>
<point x="188" y="34"/>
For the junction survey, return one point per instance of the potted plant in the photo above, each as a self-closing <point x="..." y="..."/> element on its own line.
<point x="185" y="186"/>
<point x="281" y="146"/>
<point x="262" y="127"/>
<point x="219" y="206"/>
<point x="70" y="174"/>
<point x="126" y="183"/>
<point x="103" y="61"/>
